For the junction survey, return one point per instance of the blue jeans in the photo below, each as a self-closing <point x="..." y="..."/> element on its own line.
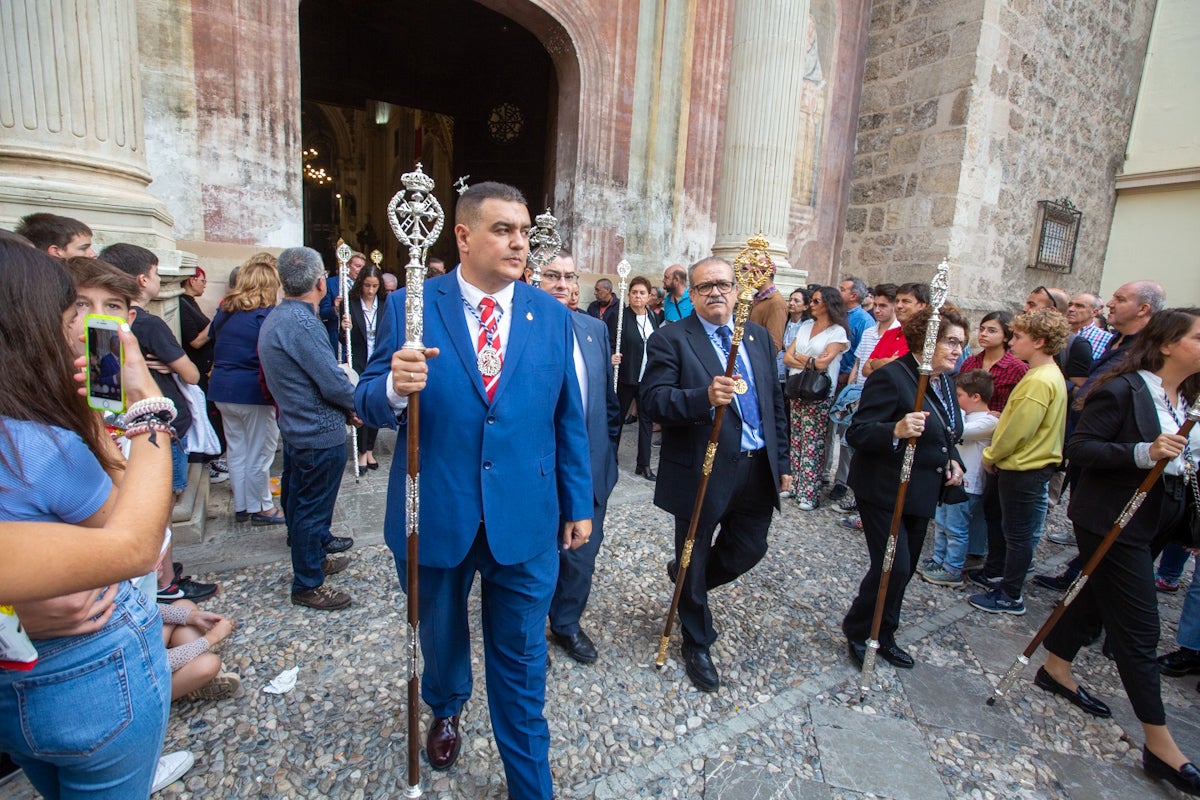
<point x="308" y="490"/>
<point x="1189" y="620"/>
<point x="89" y="719"/>
<point x="1172" y="562"/>
<point x="1023" y="499"/>
<point x="179" y="467"/>
<point x="952" y="530"/>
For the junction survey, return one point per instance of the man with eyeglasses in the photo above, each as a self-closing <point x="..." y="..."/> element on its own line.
<point x="683" y="385"/>
<point x="602" y="417"/>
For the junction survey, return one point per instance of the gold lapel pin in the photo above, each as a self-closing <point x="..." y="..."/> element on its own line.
<point x="529" y="316"/>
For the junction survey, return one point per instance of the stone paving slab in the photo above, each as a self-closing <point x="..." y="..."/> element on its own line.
<point x="1083" y="779"/>
<point x="728" y="780"/>
<point x="876" y="754"/>
<point x="954" y="698"/>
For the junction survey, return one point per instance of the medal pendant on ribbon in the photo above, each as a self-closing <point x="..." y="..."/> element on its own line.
<point x="488" y="362"/>
<point x="739" y="386"/>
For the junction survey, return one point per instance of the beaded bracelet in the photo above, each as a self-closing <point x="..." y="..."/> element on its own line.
<point x="152" y="428"/>
<point x="150" y="406"/>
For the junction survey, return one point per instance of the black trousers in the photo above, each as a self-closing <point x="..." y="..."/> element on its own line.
<point x="877" y="522"/>
<point x="741" y="542"/>
<point x="1121" y="594"/>
<point x="626" y="394"/>
<point x="575" y="570"/>
<point x="366" y="439"/>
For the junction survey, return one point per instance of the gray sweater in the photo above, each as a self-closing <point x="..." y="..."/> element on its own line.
<point x="312" y="392"/>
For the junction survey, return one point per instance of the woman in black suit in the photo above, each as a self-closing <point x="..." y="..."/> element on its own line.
<point x="367" y="298"/>
<point x="1129" y="421"/>
<point x="630" y="356"/>
<point x="884" y="420"/>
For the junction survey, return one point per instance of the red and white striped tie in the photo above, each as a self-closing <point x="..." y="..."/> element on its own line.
<point x="487" y="335"/>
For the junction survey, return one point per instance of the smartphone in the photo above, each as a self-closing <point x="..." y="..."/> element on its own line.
<point x="106" y="357"/>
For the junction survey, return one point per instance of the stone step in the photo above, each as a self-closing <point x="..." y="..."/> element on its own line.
<point x="189" y="518"/>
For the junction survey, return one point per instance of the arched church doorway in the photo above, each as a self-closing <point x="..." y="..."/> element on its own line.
<point x="461" y="88"/>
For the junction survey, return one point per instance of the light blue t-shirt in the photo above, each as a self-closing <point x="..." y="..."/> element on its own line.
<point x="48" y="474"/>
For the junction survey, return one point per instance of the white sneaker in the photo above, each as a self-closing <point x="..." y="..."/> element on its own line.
<point x="1061" y="537"/>
<point x="216" y="476"/>
<point x="171" y="768"/>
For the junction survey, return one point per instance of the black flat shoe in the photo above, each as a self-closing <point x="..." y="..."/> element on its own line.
<point x="892" y="654"/>
<point x="858" y="653"/>
<point x="1186" y="779"/>
<point x="1183" y="661"/>
<point x="578" y="646"/>
<point x="1081" y="698"/>
<point x="673" y="571"/>
<point x="645" y="472"/>
<point x="372" y="465"/>
<point x="700" y="668"/>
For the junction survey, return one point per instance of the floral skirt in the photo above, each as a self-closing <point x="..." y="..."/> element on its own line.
<point x="806" y="431"/>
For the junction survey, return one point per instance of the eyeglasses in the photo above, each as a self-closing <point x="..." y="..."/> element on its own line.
<point x="710" y="287"/>
<point x="551" y="276"/>
<point x="816" y="301"/>
<point x="954" y="344"/>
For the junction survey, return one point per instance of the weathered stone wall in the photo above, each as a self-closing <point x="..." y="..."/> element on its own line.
<point x="972" y="111"/>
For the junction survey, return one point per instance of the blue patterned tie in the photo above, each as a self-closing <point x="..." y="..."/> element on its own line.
<point x="748" y="402"/>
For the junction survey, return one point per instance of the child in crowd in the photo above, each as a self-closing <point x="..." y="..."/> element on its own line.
<point x="952" y="523"/>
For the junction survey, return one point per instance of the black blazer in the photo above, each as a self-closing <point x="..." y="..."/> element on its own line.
<point x="631" y="345"/>
<point x="889" y="393"/>
<point x="681" y="363"/>
<point x="358" y="328"/>
<point x="1116" y="417"/>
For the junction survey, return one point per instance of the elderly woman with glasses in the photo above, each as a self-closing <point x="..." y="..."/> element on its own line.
<point x="821" y="341"/>
<point x="884" y="420"/>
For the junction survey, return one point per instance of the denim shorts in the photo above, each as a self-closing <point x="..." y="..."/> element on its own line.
<point x="90" y="717"/>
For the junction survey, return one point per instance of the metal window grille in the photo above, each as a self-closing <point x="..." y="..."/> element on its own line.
<point x="1057" y="230"/>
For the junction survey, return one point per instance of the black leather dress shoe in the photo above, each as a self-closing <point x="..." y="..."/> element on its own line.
<point x="892" y="654"/>
<point x="1184" y="661"/>
<point x="443" y="742"/>
<point x="701" y="669"/>
<point x="1186" y="779"/>
<point x="858" y="652"/>
<point x="1056" y="583"/>
<point x="1081" y="698"/>
<point x="339" y="544"/>
<point x="673" y="570"/>
<point x="578" y="646"/>
<point x="645" y="472"/>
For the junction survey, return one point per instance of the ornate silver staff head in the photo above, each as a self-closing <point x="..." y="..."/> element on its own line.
<point x="623" y="269"/>
<point x="343" y="253"/>
<point x="416" y="218"/>
<point x="939" y="289"/>
<point x="544" y="244"/>
<point x="460" y="185"/>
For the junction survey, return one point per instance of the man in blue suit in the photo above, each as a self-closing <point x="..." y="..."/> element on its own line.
<point x="593" y="368"/>
<point x="330" y="310"/>
<point x="504" y="471"/>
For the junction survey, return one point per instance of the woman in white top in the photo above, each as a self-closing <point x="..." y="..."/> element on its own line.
<point x="367" y="298"/>
<point x="630" y="356"/>
<point x="821" y="340"/>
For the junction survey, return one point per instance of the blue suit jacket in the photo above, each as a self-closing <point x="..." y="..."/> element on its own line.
<point x="520" y="462"/>
<point x="601" y="410"/>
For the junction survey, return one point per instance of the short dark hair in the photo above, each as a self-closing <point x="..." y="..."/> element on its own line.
<point x="641" y="280"/>
<point x="131" y="259"/>
<point x="887" y="290"/>
<point x="1002" y="318"/>
<point x="466" y="212"/>
<point x="917" y="290"/>
<point x="89" y="273"/>
<point x="976" y="381"/>
<point x="51" y="230"/>
<point x="858" y="287"/>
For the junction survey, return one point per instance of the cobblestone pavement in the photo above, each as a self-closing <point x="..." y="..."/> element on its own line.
<point x="787" y="723"/>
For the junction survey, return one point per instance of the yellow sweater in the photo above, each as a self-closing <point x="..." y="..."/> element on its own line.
<point x="1030" y="433"/>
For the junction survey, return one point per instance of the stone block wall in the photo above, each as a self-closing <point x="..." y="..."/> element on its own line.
<point x="972" y="111"/>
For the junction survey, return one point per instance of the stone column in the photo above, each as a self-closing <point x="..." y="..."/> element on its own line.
<point x="71" y="138"/>
<point x="766" y="76"/>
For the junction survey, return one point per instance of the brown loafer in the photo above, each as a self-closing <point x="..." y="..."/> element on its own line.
<point x="443" y="744"/>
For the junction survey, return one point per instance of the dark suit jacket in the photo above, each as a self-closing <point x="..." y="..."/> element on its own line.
<point x="519" y="462"/>
<point x="1117" y="416"/>
<point x="600" y="408"/>
<point x="681" y="363"/>
<point x="358" y="335"/>
<point x="630" y="347"/>
<point x="889" y="393"/>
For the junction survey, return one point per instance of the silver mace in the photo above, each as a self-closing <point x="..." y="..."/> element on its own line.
<point x="416" y="218"/>
<point x="939" y="288"/>
<point x="344" y="253"/>
<point x="544" y="244"/>
<point x="623" y="269"/>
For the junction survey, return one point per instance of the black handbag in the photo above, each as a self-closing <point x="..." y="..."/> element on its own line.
<point x="809" y="385"/>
